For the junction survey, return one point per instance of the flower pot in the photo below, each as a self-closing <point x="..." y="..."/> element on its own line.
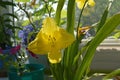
<point x="36" y="73"/>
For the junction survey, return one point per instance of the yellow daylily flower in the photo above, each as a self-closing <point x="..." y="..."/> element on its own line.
<point x="91" y="2"/>
<point x="51" y="39"/>
<point x="80" y="3"/>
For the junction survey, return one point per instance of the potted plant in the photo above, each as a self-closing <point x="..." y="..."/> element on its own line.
<point x="29" y="72"/>
<point x="68" y="60"/>
<point x="12" y="55"/>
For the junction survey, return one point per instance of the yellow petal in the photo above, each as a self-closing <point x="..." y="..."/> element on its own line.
<point x="54" y="56"/>
<point x="49" y="26"/>
<point x="50" y="38"/>
<point x="77" y="0"/>
<point x="57" y="38"/>
<point x="39" y="45"/>
<point x="80" y="3"/>
<point x="63" y="39"/>
<point x="91" y="2"/>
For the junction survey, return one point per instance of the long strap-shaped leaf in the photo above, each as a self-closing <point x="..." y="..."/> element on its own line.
<point x="71" y="16"/>
<point x="104" y="16"/>
<point x="107" y="28"/>
<point x="112" y="74"/>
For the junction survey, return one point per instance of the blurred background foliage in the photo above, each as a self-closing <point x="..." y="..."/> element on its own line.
<point x="91" y="16"/>
<point x="96" y="12"/>
<point x="42" y="8"/>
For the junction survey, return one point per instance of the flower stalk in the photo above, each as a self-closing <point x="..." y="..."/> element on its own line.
<point x="79" y="19"/>
<point x="58" y="11"/>
<point x="28" y="15"/>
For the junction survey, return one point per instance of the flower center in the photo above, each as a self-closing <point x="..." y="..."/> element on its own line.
<point x="52" y="41"/>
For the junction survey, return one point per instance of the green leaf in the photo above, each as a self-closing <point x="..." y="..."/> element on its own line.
<point x="17" y="27"/>
<point x="25" y="22"/>
<point x="40" y="12"/>
<point x="8" y="20"/>
<point x="103" y="19"/>
<point x="70" y="29"/>
<point x="63" y="14"/>
<point x="116" y="35"/>
<point x="82" y="50"/>
<point x="22" y="0"/>
<point x="11" y="15"/>
<point x="107" y="28"/>
<point x="5" y="3"/>
<point x="112" y="74"/>
<point x="104" y="16"/>
<point x="9" y="26"/>
<point x="71" y="16"/>
<point x="68" y="53"/>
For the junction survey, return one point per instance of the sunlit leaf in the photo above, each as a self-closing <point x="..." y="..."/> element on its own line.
<point x="63" y="14"/>
<point x="112" y="74"/>
<point x="116" y="35"/>
<point x="104" y="31"/>
<point x="22" y="0"/>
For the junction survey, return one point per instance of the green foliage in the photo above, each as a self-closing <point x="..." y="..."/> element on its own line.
<point x="72" y="67"/>
<point x="5" y="24"/>
<point x="25" y="22"/>
<point x="4" y="4"/>
<point x="100" y="36"/>
<point x="71" y="16"/>
<point x="40" y="12"/>
<point x="96" y="13"/>
<point x="116" y="35"/>
<point x="112" y="74"/>
<point x="33" y="14"/>
<point x="22" y="0"/>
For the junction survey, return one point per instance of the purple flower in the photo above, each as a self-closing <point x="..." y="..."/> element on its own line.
<point x="87" y="35"/>
<point x="23" y="34"/>
<point x="20" y="34"/>
<point x="28" y="28"/>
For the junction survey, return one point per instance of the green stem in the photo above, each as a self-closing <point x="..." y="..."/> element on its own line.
<point x="13" y="24"/>
<point x="70" y="27"/>
<point x="58" y="11"/>
<point x="79" y="20"/>
<point x="28" y="16"/>
<point x="71" y="16"/>
<point x="46" y="5"/>
<point x="68" y="51"/>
